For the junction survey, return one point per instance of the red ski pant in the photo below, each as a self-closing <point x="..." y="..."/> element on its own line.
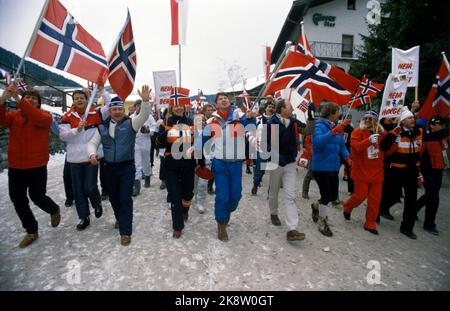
<point x="371" y="192"/>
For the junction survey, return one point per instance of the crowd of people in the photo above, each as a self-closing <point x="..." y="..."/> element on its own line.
<point x="383" y="160"/>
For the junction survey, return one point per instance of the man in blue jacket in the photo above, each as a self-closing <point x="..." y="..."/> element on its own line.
<point x="328" y="149"/>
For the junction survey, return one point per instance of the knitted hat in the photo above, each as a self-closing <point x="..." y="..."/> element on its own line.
<point x="406" y="113"/>
<point x="116" y="102"/>
<point x="371" y="113"/>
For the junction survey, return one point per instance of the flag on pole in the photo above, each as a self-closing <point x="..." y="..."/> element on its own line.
<point x="366" y="89"/>
<point x="297" y="71"/>
<point x="438" y="99"/>
<point x="122" y="62"/>
<point x="22" y="85"/>
<point x="179" y="97"/>
<point x="61" y="42"/>
<point x="178" y="9"/>
<point x="246" y="101"/>
<point x="304" y="47"/>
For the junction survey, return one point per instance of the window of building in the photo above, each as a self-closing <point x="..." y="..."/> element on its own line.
<point x="351" y="4"/>
<point x="347" y="46"/>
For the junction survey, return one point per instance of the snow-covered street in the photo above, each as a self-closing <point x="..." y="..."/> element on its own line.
<point x="257" y="256"/>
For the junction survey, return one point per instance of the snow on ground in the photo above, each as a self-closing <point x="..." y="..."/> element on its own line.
<point x="257" y="257"/>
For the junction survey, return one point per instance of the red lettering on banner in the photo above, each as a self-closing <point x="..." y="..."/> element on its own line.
<point x="405" y="66"/>
<point x="166" y="88"/>
<point x="395" y="111"/>
<point x="395" y="95"/>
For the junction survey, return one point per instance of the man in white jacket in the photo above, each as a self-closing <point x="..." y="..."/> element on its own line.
<point x="142" y="149"/>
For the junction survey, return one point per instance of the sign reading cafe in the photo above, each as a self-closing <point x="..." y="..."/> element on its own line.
<point x="328" y="21"/>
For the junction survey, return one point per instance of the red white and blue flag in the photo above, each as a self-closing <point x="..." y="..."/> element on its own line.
<point x="438" y="99"/>
<point x="303" y="45"/>
<point x="366" y="89"/>
<point x="304" y="100"/>
<point x="297" y="71"/>
<point x="246" y="101"/>
<point x="122" y="62"/>
<point x="22" y="85"/>
<point x="178" y="12"/>
<point x="179" y="97"/>
<point x="61" y="42"/>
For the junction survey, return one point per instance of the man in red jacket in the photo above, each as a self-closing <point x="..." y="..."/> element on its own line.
<point x="367" y="170"/>
<point x="28" y="155"/>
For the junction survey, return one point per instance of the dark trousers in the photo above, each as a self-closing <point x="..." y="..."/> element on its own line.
<point x="67" y="178"/>
<point x="35" y="181"/>
<point x="162" y="168"/>
<point x="307" y="179"/>
<point x="84" y="181"/>
<point x="432" y="184"/>
<point x="103" y="176"/>
<point x="153" y="149"/>
<point x="350" y="182"/>
<point x="120" y="180"/>
<point x="258" y="173"/>
<point x="406" y="178"/>
<point x="328" y="186"/>
<point x="179" y="176"/>
<point x="390" y="193"/>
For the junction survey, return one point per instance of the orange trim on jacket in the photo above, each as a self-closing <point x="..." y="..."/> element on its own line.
<point x="29" y="135"/>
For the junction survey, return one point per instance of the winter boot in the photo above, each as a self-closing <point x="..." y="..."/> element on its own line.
<point x="324" y="228"/>
<point x="136" y="187"/>
<point x="222" y="231"/>
<point x="210" y="187"/>
<point x="28" y="239"/>
<point x="163" y="185"/>
<point x="147" y="182"/>
<point x="254" y="190"/>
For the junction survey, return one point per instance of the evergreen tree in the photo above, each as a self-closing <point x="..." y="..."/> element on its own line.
<point x="404" y="24"/>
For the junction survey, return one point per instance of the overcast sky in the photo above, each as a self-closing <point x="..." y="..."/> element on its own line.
<point x="220" y="33"/>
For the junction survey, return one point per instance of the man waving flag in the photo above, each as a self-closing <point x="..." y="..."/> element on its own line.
<point x="122" y="62"/>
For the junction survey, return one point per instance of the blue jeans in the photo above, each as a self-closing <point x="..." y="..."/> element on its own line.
<point x="84" y="184"/>
<point x="228" y="179"/>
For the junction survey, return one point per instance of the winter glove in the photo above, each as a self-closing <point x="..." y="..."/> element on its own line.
<point x="397" y="140"/>
<point x="420" y="180"/>
<point x="374" y="138"/>
<point x="311" y="111"/>
<point x="338" y="129"/>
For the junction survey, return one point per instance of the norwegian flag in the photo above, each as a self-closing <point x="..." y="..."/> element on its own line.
<point x="367" y="87"/>
<point x="438" y="100"/>
<point x="22" y="85"/>
<point x="179" y="97"/>
<point x="297" y="71"/>
<point x="304" y="95"/>
<point x="278" y="95"/>
<point x="246" y="101"/>
<point x="122" y="62"/>
<point x="62" y="43"/>
<point x="304" y="47"/>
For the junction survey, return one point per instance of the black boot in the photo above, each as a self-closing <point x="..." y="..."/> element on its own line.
<point x="147" y="182"/>
<point x="83" y="224"/>
<point x="136" y="187"/>
<point x="98" y="211"/>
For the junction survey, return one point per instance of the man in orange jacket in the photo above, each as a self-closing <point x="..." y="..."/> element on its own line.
<point x="367" y="170"/>
<point x="28" y="155"/>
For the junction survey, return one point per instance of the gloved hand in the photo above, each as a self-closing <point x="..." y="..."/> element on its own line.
<point x="311" y="111"/>
<point x="420" y="180"/>
<point x="374" y="138"/>
<point x="397" y="140"/>
<point x="338" y="129"/>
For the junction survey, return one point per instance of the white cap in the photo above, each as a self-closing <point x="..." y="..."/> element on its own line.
<point x="405" y="114"/>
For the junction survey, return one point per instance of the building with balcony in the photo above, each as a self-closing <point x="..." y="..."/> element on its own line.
<point x="333" y="28"/>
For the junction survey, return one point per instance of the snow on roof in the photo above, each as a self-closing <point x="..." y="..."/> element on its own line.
<point x="250" y="84"/>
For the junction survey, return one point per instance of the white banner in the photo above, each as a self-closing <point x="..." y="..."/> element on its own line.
<point x="164" y="81"/>
<point x="406" y="63"/>
<point x="393" y="96"/>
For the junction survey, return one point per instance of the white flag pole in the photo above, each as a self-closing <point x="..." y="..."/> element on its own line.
<point x="32" y="39"/>
<point x="91" y="101"/>
<point x="179" y="65"/>
<point x="445" y="60"/>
